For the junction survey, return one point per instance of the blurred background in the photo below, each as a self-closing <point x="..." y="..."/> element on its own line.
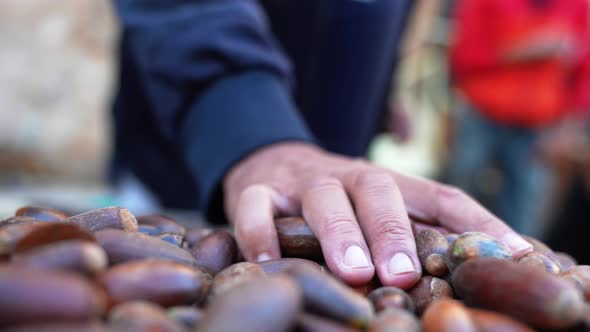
<point x="57" y="80"/>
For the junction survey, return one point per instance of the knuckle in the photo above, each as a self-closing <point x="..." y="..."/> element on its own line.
<point x="339" y="224"/>
<point x="449" y="197"/>
<point x="323" y="183"/>
<point x="374" y="182"/>
<point x="391" y="229"/>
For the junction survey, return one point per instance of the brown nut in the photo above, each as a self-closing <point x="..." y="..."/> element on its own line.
<point x="538" y="260"/>
<point x="109" y="217"/>
<point x="187" y="316"/>
<point x="233" y="275"/>
<point x="11" y="234"/>
<point x="215" y="251"/>
<point x="447" y="315"/>
<point x="432" y="247"/>
<point x="296" y="238"/>
<point x="540" y="299"/>
<point x="30" y="296"/>
<point x="164" y="223"/>
<point x="491" y="321"/>
<point x="335" y="300"/>
<point x="49" y="233"/>
<point x="270" y="304"/>
<point x="41" y="213"/>
<point x="580" y="277"/>
<point x="71" y="255"/>
<point x="280" y="265"/>
<point x="122" y="246"/>
<point x="394" y="319"/>
<point x="390" y="297"/>
<point x="474" y="244"/>
<point x="142" y="316"/>
<point x="427" y="290"/>
<point x="160" y="281"/>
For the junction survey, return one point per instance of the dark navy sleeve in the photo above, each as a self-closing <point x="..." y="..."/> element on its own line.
<point x="216" y="81"/>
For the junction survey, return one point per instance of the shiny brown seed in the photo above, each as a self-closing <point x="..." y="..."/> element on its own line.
<point x="390" y="297"/>
<point x="427" y="290"/>
<point x="109" y="217"/>
<point x="296" y="238"/>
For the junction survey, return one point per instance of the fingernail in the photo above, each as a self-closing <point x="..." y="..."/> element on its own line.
<point x="263" y="257"/>
<point x="516" y="243"/>
<point x="355" y="257"/>
<point x="401" y="263"/>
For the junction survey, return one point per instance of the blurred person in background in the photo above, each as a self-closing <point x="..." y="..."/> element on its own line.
<point x="522" y="68"/>
<point x="248" y="110"/>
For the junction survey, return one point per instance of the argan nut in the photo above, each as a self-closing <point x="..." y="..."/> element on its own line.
<point x="580" y="277"/>
<point x="313" y="323"/>
<point x="142" y="316"/>
<point x="394" y="319"/>
<point x="30" y="296"/>
<point x="447" y="315"/>
<point x="215" y="251"/>
<point x="18" y="220"/>
<point x="175" y="239"/>
<point x="565" y="261"/>
<point x="280" y="265"/>
<point x="11" y="234"/>
<point x="71" y="255"/>
<point x="194" y="235"/>
<point x="296" y="238"/>
<point x="164" y="223"/>
<point x="432" y="247"/>
<point x="541" y="299"/>
<point x="335" y="300"/>
<point x="41" y="213"/>
<point x="148" y="230"/>
<point x="427" y="290"/>
<point x="122" y="246"/>
<point x="491" y="321"/>
<point x="233" y="275"/>
<point x="109" y="217"/>
<point x="270" y="304"/>
<point x="49" y="233"/>
<point x="474" y="244"/>
<point x="187" y="316"/>
<point x="390" y="297"/>
<point x="538" y="260"/>
<point x="160" y="281"/>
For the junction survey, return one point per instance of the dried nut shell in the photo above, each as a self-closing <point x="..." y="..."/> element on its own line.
<point x="270" y="304"/>
<point x="427" y="290"/>
<point x="45" y="234"/>
<point x="538" y="260"/>
<point x="474" y="244"/>
<point x="30" y="296"/>
<point x="394" y="319"/>
<point x="275" y="266"/>
<point x="432" y="247"/>
<point x="163" y="223"/>
<point x="163" y="282"/>
<point x="109" y="217"/>
<point x="142" y="317"/>
<point x="447" y="315"/>
<point x="540" y="299"/>
<point x="491" y="321"/>
<point x="215" y="251"/>
<point x="187" y="316"/>
<point x="41" y="213"/>
<point x="234" y="275"/>
<point x="580" y="277"/>
<point x="335" y="300"/>
<point x="296" y="238"/>
<point x="122" y="246"/>
<point x="390" y="297"/>
<point x="72" y="255"/>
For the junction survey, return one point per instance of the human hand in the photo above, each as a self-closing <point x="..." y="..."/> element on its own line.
<point x="359" y="212"/>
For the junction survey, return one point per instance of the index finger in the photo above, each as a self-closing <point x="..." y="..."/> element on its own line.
<point x="455" y="210"/>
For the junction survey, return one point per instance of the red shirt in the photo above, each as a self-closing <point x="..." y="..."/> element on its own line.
<point x="533" y="93"/>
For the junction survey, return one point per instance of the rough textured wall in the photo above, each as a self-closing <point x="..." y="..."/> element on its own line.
<point x="56" y="78"/>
